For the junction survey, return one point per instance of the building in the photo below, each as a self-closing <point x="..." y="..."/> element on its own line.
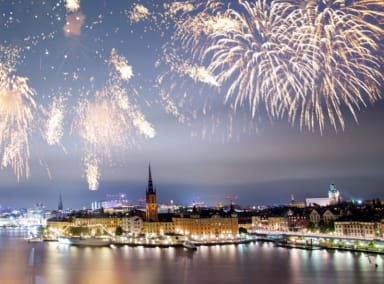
<point x="296" y="204"/>
<point x="109" y="223"/>
<point x="151" y="214"/>
<point x="207" y="225"/>
<point x="60" y="205"/>
<point x="158" y="228"/>
<point x="333" y="195"/>
<point x="365" y="229"/>
<point x="132" y="225"/>
<point x="333" y="198"/>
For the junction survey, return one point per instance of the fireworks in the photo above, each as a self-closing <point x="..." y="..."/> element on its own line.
<point x="54" y="126"/>
<point x="108" y="121"/>
<point x="120" y="63"/>
<point x="139" y="13"/>
<point x="72" y="5"/>
<point x="16" y="118"/>
<point x="307" y="61"/>
<point x="314" y="63"/>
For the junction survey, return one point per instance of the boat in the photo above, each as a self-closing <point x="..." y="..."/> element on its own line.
<point x="34" y="239"/>
<point x="189" y="245"/>
<point x="85" y="241"/>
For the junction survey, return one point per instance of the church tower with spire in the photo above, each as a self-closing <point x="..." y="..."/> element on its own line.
<point x="60" y="205"/>
<point x="150" y="198"/>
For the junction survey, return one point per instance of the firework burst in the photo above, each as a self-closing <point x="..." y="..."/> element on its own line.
<point x="54" y="128"/>
<point x="16" y="117"/>
<point x="109" y="121"/>
<point x="310" y="61"/>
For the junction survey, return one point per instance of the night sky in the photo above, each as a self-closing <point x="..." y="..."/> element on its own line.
<point x="79" y="55"/>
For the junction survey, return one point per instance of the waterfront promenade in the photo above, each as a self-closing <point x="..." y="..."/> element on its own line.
<point x="321" y="241"/>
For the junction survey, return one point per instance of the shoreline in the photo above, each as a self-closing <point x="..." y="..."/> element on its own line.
<point x="225" y="243"/>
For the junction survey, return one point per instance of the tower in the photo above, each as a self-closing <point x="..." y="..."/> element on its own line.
<point x="333" y="195"/>
<point x="60" y="206"/>
<point x="150" y="198"/>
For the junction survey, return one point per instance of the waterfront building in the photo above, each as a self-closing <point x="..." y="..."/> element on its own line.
<point x="207" y="225"/>
<point x="365" y="229"/>
<point x="132" y="225"/>
<point x="56" y="226"/>
<point x="110" y="223"/>
<point x="158" y="228"/>
<point x="296" y="219"/>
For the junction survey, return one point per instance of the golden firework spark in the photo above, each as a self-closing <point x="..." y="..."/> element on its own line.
<point x="108" y="121"/>
<point x="310" y="61"/>
<point x="16" y="116"/>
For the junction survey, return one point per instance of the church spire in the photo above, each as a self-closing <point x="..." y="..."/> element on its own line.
<point x="60" y="206"/>
<point x="150" y="188"/>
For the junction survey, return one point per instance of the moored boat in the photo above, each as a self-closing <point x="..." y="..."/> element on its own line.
<point x="82" y="241"/>
<point x="189" y="245"/>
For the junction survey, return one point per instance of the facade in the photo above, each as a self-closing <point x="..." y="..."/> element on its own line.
<point x="333" y="195"/>
<point x="158" y="228"/>
<point x="365" y="229"/>
<point x="56" y="227"/>
<point x="329" y="216"/>
<point x="132" y="225"/>
<point x="151" y="213"/>
<point x="314" y="217"/>
<point x="333" y="198"/>
<point x="210" y="227"/>
<point x="270" y="223"/>
<point x="108" y="223"/>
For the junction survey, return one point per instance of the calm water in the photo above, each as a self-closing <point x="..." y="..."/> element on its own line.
<point x="50" y="263"/>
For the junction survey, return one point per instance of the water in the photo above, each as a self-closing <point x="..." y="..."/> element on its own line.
<point x="50" y="263"/>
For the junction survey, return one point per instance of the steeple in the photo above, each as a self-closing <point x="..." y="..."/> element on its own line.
<point x="151" y="203"/>
<point x="60" y="206"/>
<point x="150" y="188"/>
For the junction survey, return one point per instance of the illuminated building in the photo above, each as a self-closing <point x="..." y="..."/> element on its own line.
<point x="132" y="225"/>
<point x="158" y="228"/>
<point x="332" y="199"/>
<point x="366" y="229"/>
<point x="109" y="223"/>
<point x="333" y="195"/>
<point x="198" y="225"/>
<point x="115" y="203"/>
<point x="151" y="213"/>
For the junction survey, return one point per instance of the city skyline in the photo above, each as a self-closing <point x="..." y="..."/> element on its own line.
<point x="101" y="75"/>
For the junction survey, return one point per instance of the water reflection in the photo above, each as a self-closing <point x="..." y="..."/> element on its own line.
<point x="46" y="263"/>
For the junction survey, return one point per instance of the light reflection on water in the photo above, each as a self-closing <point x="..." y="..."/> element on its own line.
<point x="46" y="263"/>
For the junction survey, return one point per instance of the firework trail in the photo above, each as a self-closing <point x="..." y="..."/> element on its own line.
<point x="109" y="121"/>
<point x="54" y="128"/>
<point x="16" y="117"/>
<point x="342" y="41"/>
<point x="308" y="61"/>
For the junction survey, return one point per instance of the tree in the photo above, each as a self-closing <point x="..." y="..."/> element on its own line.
<point x="119" y="231"/>
<point x="243" y="230"/>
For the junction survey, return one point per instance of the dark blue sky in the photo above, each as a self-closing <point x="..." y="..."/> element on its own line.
<point x="214" y="153"/>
